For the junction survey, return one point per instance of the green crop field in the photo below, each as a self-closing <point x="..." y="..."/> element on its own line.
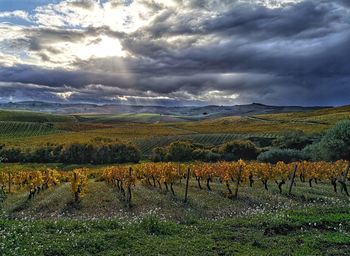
<point x="11" y="129"/>
<point x="26" y="116"/>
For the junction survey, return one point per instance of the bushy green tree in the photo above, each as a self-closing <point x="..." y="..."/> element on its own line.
<point x="292" y="139"/>
<point x="159" y="154"/>
<point x="205" y="155"/>
<point x="285" y="155"/>
<point x="180" y="151"/>
<point x="239" y="150"/>
<point x="334" y="145"/>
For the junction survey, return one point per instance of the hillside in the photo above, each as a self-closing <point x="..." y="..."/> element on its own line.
<point x="196" y="113"/>
<point x="29" y="116"/>
<point x="151" y="130"/>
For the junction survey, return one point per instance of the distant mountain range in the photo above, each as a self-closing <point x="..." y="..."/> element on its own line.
<point x="210" y="111"/>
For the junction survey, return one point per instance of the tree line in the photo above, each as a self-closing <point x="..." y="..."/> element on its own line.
<point x="75" y="153"/>
<point x="291" y="146"/>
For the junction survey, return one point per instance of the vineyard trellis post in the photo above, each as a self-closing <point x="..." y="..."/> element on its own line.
<point x="129" y="187"/>
<point x="9" y="181"/>
<point x="235" y="195"/>
<point x="77" y="192"/>
<point x="292" y="179"/>
<point x="187" y="183"/>
<point x="344" y="179"/>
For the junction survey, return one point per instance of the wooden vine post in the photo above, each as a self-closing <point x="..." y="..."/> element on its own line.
<point x="344" y="179"/>
<point x="187" y="182"/>
<point x="292" y="179"/>
<point x="235" y="195"/>
<point x="77" y="192"/>
<point x="129" y="188"/>
<point x="9" y="182"/>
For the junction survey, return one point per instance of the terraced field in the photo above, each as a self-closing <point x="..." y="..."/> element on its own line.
<point x="15" y="129"/>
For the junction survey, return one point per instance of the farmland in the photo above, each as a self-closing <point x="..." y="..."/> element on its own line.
<point x="102" y="210"/>
<point x="12" y="129"/>
<point x="131" y="128"/>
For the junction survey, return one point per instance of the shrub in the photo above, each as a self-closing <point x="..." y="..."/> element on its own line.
<point x="205" y="155"/>
<point x="239" y="150"/>
<point x="159" y="154"/>
<point x="285" y="155"/>
<point x="334" y="145"/>
<point x="180" y="151"/>
<point x="293" y="140"/>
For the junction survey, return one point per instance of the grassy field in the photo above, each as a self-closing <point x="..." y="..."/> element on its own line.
<point x="314" y="221"/>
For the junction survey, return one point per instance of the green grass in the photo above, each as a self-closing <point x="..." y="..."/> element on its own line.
<point x="293" y="232"/>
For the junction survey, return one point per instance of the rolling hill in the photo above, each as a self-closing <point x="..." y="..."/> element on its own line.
<point x="192" y="113"/>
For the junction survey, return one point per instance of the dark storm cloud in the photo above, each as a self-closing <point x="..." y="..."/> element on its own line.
<point x="41" y="38"/>
<point x="296" y="54"/>
<point x="85" y="4"/>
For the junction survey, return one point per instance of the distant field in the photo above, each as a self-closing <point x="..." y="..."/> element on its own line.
<point x="26" y="116"/>
<point x="11" y="129"/>
<point x="85" y="133"/>
<point x="133" y="118"/>
<point x="150" y="130"/>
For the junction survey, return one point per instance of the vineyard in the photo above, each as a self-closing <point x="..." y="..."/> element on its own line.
<point x="169" y="208"/>
<point x="170" y="204"/>
<point x="163" y="176"/>
<point x="10" y="129"/>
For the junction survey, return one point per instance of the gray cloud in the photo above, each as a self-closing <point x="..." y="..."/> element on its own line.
<point x="296" y="54"/>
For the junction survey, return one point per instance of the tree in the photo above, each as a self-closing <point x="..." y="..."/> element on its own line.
<point x="180" y="151"/>
<point x="205" y="155"/>
<point x="239" y="150"/>
<point x="335" y="145"/>
<point x="159" y="154"/>
<point x="292" y="139"/>
<point x="285" y="155"/>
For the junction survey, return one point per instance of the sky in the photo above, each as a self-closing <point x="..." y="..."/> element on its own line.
<point x="176" y="52"/>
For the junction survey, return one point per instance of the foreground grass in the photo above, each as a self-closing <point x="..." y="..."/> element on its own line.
<point x="314" y="221"/>
<point x="314" y="231"/>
